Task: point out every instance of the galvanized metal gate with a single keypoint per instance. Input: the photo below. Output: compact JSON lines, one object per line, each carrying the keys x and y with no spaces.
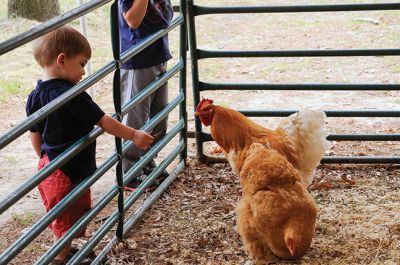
{"x":200,"y":86}
{"x":118,"y":216}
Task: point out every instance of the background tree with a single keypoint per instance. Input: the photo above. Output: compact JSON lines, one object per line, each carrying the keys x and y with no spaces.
{"x":40,"y":10}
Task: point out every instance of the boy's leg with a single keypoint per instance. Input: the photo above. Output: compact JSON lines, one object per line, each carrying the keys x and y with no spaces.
{"x":159,"y":102}
{"x":63,"y":255}
{"x":132,"y":83}
{"x":52,"y":190}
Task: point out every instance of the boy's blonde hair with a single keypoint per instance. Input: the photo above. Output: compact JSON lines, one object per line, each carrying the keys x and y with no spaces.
{"x":64,"y":39}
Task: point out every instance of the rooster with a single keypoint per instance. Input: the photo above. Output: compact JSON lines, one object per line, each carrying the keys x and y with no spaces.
{"x":276,"y":215}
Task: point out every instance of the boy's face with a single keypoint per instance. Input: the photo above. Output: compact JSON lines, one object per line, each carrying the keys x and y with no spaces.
{"x":74,"y":68}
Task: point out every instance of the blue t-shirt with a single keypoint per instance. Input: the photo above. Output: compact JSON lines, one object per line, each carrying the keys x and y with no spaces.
{"x":65,"y":126}
{"x":158,"y":16}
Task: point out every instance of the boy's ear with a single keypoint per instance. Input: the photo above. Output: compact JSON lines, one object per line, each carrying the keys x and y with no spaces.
{"x":60,"y":59}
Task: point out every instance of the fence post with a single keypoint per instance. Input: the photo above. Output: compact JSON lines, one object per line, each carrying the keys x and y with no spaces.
{"x":195,"y":76}
{"x":182,"y":76}
{"x":117,"y":105}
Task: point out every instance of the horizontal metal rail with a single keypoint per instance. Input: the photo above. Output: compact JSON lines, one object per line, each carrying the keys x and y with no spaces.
{"x":363,"y":137}
{"x":50,"y":25}
{"x":140,"y":211}
{"x":130,"y":222}
{"x":311,"y":87}
{"x":206,"y":10}
{"x":329,"y":113}
{"x":361,"y":160}
{"x":206,"y":137}
{"x":203,"y":54}
{"x":104,"y":229}
{"x":143,"y":186}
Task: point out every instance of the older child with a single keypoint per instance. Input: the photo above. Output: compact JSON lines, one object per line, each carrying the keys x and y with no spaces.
{"x":138,"y":19}
{"x":62,"y":54}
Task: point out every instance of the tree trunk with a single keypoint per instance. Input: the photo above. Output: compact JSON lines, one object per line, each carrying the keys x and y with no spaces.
{"x":40,"y":10}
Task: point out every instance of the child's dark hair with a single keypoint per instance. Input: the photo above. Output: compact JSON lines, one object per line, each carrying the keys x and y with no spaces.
{"x":64,"y":39}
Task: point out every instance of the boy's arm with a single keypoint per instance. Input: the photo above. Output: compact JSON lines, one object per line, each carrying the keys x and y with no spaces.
{"x":36,"y":140}
{"x":114,"y":127}
{"x":136,"y":13}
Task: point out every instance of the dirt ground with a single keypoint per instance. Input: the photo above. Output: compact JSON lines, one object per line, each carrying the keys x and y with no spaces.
{"x":194,"y":221}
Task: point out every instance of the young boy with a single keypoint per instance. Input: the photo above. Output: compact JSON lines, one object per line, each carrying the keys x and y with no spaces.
{"x":63,"y":54}
{"x":138,"y":19}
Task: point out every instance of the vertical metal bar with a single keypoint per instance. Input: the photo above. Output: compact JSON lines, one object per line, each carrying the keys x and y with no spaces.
{"x":83,"y":24}
{"x":117,"y":105}
{"x":195,"y":74}
{"x":182,"y":77}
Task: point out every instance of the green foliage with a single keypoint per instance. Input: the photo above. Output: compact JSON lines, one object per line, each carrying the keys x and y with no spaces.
{"x":24,"y":219}
{"x":3,"y":10}
{"x":9,"y":86}
{"x":12,"y":87}
{"x":11,"y":160}
{"x":396,"y":69}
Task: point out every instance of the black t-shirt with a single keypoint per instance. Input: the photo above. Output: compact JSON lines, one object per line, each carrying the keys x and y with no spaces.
{"x":64,"y":127}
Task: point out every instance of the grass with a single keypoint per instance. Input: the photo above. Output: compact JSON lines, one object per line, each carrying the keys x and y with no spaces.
{"x":11,"y":88}
{"x":24,"y":219}
{"x":396,"y":69}
{"x":98,"y":97}
{"x":11,"y":159}
{"x":3,"y":11}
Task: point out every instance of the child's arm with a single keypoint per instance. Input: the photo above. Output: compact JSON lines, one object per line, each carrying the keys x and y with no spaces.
{"x":136,"y":13}
{"x":114,"y":127}
{"x":36,"y":140}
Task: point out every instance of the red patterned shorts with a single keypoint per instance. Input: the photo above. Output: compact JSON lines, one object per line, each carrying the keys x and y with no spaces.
{"x":52,"y":190}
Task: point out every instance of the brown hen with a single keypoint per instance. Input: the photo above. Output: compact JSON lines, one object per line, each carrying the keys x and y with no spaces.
{"x":276,"y":215}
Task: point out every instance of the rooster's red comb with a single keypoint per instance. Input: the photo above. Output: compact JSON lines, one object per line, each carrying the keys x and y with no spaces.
{"x":203,"y":102}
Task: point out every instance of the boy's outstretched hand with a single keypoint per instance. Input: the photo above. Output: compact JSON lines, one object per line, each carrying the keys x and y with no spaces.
{"x":142,"y":139}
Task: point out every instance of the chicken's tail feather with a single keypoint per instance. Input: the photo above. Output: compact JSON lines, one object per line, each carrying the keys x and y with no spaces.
{"x":308,"y":135}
